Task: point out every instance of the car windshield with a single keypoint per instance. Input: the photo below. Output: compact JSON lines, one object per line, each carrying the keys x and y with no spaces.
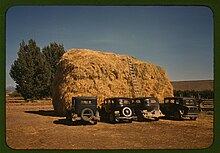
{"x":172,"y":101}
{"x":86,"y":102}
{"x":153,"y":101}
{"x":147,"y":101}
{"x":123,"y":101}
{"x":150,"y":101}
{"x":190,"y":102}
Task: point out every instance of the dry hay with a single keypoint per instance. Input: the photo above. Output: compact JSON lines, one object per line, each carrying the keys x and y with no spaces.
{"x":84,"y":72}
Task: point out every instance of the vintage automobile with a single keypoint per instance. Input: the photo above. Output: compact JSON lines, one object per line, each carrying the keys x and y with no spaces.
{"x":206,"y":104}
{"x":84,"y":109}
{"x":116,"y":109}
{"x":146,"y":108}
{"x":180,"y":107}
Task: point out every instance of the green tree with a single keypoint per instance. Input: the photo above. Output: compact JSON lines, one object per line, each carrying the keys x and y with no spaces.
{"x":53,"y":54}
{"x":31,"y":72}
{"x":206,"y":94}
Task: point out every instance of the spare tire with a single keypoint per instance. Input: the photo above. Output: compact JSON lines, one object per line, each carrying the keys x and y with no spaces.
{"x":127,"y":112}
{"x":87,"y":114}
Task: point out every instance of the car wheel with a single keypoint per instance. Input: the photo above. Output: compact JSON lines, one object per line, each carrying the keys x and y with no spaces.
{"x":104,"y":116}
{"x":140,"y":117}
{"x":127,"y":112}
{"x":95,"y":122}
{"x":156,"y":118}
{"x":193,"y":118}
{"x":69,"y":116}
{"x":166,"y":116}
{"x":112,"y":118}
{"x":177,"y":115}
{"x":130,"y":121}
{"x":87,"y":114}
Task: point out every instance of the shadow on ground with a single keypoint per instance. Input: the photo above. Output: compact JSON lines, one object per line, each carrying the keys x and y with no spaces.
{"x":71,"y":123}
{"x":104,"y":120}
{"x":45,"y":113}
{"x":174,"y":119}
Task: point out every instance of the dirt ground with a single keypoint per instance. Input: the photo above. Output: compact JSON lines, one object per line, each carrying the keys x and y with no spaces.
{"x":35,"y":126}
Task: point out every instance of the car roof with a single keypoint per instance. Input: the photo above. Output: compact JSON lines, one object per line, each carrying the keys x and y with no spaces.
{"x":184,"y":98}
{"x":84,"y":97}
{"x":113,"y":98}
{"x":144,"y":97}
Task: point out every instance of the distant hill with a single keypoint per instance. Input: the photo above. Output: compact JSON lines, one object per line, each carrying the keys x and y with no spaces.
{"x":197,"y":85}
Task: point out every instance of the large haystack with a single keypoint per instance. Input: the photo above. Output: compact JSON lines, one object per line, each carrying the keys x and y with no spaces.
{"x":83,"y":72}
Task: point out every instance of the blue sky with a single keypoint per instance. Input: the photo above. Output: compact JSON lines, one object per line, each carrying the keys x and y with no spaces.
{"x":178,"y":38}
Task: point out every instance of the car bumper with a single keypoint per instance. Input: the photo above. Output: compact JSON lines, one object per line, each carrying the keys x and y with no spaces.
{"x":76,"y":118}
{"x":123,"y":118}
{"x":190,"y":115}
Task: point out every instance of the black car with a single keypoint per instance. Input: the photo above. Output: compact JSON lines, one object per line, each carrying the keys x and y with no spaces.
{"x":180,"y":107}
{"x":83,"y":108}
{"x":116,"y":109}
{"x":146,"y":108}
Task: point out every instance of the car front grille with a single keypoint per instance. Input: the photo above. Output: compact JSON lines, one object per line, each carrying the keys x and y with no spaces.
{"x":193,"y":110}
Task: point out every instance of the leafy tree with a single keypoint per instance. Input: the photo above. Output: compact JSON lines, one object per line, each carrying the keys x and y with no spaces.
{"x":53,"y":53}
{"x":31,"y":72}
{"x":206,"y":94}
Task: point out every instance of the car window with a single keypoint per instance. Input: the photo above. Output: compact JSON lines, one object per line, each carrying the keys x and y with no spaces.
{"x":123,"y":101}
{"x":147,"y":101}
{"x":86,"y":102}
{"x":107,"y":101}
{"x":153,"y":101}
{"x":120,"y":101}
{"x":166,"y":100}
{"x":126,"y":101}
{"x":137,"y":101}
{"x":172,"y":101}
{"x":189,"y":102}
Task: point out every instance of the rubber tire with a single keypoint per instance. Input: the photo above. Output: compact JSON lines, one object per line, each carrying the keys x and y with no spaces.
{"x":130,"y":121}
{"x":140,"y":117}
{"x":86,"y":118}
{"x":69,"y":116}
{"x":112,"y":118}
{"x":193,"y":118}
{"x":177,"y":115}
{"x":130,"y":111}
{"x":156,"y":118}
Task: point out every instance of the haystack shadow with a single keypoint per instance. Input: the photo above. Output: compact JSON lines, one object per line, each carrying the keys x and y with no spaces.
{"x":45,"y":113}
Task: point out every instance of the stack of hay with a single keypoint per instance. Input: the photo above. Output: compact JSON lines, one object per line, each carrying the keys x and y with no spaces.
{"x":83,"y":72}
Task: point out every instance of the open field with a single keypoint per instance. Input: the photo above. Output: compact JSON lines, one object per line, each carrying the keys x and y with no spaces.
{"x":197,"y":85}
{"x":35,"y":126}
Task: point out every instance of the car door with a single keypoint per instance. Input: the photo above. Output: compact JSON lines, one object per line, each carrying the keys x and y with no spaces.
{"x":169,"y":106}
